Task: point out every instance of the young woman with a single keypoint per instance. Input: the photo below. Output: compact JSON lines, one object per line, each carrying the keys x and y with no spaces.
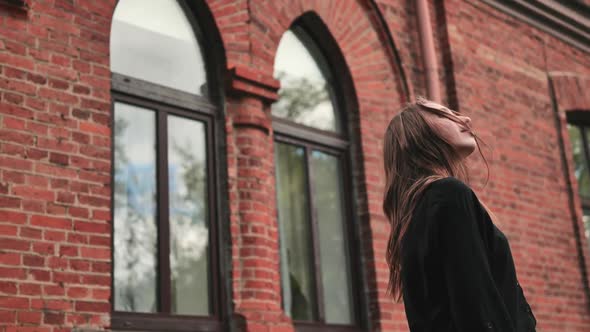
{"x":448,"y":260}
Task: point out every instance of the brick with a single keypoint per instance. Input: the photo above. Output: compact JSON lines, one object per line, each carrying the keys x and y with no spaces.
{"x":13,"y":177}
{"x":100,"y":241}
{"x":78,"y":292}
{"x":59,"y":184}
{"x":14,"y":163}
{"x":33,"y":206}
{"x":94,"y":128}
{"x":10,"y":258}
{"x":12,"y":217}
{"x":33,"y":193}
{"x":57,"y":305}
{"x":59,"y":158}
{"x":32,"y":260}
{"x":29,"y":289}
{"x":53,"y":290}
{"x":92,"y":306}
{"x":96,"y":253}
{"x":11,"y":302}
{"x":54,"y":318}
{"x":55,"y":236}
{"x":10,"y":202}
{"x":91,"y":227}
{"x":11,"y":273}
{"x":37,"y":181}
{"x":14,"y":123}
{"x":29,"y":317}
{"x":14,"y":244}
{"x":8,"y":230}
{"x":80,"y":265}
{"x":101,"y":267}
{"x":44,"y":248}
{"x":75,"y":237}
{"x":31,"y":233}
{"x":51,"y":222}
{"x":78,"y":212}
{"x":36,"y":154}
{"x":8,"y":287}
{"x":70,"y":251}
{"x":40,"y":275}
{"x":7,"y":316}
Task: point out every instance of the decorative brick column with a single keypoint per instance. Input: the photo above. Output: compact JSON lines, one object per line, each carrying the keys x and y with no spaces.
{"x":255,"y":245}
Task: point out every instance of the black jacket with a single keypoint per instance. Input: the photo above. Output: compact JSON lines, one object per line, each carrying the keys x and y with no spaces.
{"x":457,"y":269}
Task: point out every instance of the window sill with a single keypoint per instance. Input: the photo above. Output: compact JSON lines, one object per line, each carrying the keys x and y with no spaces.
{"x":122,"y":321}
{"x":317,"y":327}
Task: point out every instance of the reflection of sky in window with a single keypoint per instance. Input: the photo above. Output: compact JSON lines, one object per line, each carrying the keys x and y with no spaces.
{"x":586,"y":220}
{"x":153,"y":40}
{"x":136,"y":178}
{"x":188,"y":136}
{"x":295,"y":65}
{"x":295,"y":60}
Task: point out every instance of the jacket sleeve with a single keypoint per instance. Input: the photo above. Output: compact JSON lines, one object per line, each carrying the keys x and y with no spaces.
{"x":475,"y":302}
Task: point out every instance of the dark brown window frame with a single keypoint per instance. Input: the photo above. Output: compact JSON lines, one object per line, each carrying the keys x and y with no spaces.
{"x":163,"y":101}
{"x":15,"y":3}
{"x":314,"y":34}
{"x":581,"y":120}
{"x":162,"y":107}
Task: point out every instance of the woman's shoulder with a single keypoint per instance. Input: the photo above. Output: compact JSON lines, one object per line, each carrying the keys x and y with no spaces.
{"x":449,"y":186}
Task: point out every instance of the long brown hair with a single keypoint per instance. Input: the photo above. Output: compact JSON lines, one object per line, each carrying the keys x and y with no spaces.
{"x":414,"y":156}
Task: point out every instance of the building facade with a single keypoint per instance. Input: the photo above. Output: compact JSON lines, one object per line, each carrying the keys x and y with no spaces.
{"x":216,"y":165}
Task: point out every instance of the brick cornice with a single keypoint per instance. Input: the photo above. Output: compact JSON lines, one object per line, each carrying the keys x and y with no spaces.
{"x":566,"y":20}
{"x":243,"y":80}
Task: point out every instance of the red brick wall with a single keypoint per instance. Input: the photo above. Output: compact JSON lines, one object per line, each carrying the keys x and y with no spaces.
{"x":502,"y":67}
{"x":55,"y":269}
{"x":55,"y":138}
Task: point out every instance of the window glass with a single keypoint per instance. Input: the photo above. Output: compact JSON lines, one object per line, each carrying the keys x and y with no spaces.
{"x":329,"y":207}
{"x":305,"y":96}
{"x":154,"y":41}
{"x":580,"y":163}
{"x":295,"y":234}
{"x":586,"y":220}
{"x":135,"y":227}
{"x":189,"y":229}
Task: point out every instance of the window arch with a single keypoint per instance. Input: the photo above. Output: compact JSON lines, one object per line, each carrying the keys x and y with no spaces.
{"x":313,"y":180}
{"x":165,"y":254}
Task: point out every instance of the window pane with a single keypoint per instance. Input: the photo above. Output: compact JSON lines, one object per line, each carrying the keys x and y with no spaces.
{"x":294,"y":228}
{"x":305,"y":96}
{"x":580,"y":163}
{"x":154,"y":41}
{"x":328,"y":204}
{"x":189,"y":228}
{"x":586,"y":220}
{"x":135,"y":236}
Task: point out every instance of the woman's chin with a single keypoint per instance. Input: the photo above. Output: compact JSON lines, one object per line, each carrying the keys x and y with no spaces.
{"x":467,"y":149}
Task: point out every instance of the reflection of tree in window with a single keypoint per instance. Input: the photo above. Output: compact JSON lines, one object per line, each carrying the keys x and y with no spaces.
{"x":298,"y":95}
{"x":135,"y":230}
{"x":304,"y":101}
{"x":190,"y":235}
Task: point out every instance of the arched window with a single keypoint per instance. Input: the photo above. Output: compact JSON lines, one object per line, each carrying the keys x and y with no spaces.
{"x":164,"y":255}
{"x":579,"y":135}
{"x":313,"y":183}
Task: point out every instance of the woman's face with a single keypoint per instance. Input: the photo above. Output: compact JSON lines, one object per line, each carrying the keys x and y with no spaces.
{"x":458,"y":135}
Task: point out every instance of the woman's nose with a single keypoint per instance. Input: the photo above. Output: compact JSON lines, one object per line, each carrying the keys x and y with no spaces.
{"x":467,"y":121}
